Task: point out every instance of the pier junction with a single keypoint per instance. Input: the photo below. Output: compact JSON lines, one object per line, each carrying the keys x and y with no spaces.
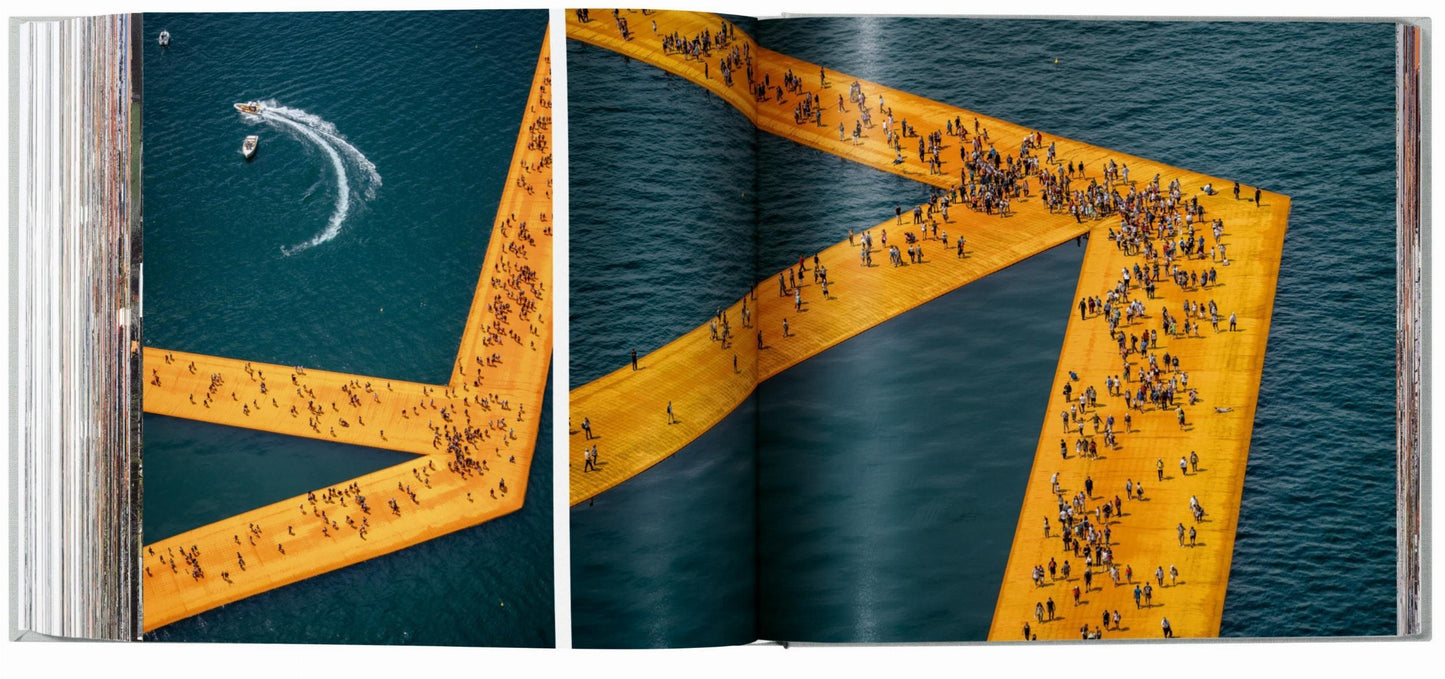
{"x":1202,"y":411}
{"x":473,"y":436}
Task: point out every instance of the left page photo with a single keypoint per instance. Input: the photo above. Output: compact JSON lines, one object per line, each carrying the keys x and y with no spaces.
{"x":348,"y":329}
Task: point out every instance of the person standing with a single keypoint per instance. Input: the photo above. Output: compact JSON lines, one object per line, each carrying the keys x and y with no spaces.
{"x":634,"y":358}
{"x":673,"y":420}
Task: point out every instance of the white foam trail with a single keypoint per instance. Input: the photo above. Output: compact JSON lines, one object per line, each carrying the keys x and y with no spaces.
{"x":343,"y":157}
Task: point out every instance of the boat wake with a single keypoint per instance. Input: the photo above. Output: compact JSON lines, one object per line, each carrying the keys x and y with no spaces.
{"x":356,"y":176}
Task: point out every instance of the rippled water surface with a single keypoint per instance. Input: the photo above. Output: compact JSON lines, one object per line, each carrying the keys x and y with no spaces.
{"x":352,"y":242}
{"x":1305,"y":109}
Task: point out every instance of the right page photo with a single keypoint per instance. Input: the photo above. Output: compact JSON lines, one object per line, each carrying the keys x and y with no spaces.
{"x":1081,"y":329}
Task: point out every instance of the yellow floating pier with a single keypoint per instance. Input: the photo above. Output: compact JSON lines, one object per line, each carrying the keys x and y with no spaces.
{"x":492,"y":402}
{"x":627,"y":409}
{"x":1224,"y":368}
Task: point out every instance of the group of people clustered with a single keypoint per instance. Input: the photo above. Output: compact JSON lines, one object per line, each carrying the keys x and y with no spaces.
{"x":1165,"y":231}
{"x":468,"y":420}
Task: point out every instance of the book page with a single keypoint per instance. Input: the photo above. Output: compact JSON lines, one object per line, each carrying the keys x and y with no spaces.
{"x":348,"y":237}
{"x":1032,"y":415}
{"x":662,"y":337}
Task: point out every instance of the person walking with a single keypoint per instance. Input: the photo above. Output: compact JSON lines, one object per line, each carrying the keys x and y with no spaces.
{"x":673,"y":420}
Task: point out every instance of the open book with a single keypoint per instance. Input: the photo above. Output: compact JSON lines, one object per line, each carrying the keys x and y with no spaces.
{"x":348,"y":330}
{"x":925,"y":329}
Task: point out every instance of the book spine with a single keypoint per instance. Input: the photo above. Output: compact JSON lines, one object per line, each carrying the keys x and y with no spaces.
{"x":77,"y":520}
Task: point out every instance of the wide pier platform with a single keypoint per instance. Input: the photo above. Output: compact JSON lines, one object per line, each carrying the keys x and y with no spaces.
{"x":627,"y":409}
{"x":491,"y":406}
{"x":1223,"y":366}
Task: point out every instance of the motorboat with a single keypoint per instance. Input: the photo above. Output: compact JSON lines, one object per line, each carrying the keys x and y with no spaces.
{"x":250,"y":107}
{"x":165,"y":38}
{"x":248,"y":147}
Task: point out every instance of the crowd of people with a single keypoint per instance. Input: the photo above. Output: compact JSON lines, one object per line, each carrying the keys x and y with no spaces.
{"x":467,"y":430}
{"x":1171,"y":240}
{"x":1163,"y":232}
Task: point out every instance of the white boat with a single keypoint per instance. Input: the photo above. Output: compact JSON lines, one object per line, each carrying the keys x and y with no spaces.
{"x":165,"y":38}
{"x":248,"y":147}
{"x":250,"y":107}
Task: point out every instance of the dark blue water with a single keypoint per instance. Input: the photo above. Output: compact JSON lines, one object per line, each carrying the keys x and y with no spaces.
{"x":668,"y":558}
{"x":432,"y":100}
{"x":1301,"y":108}
{"x":429,"y":102}
{"x":658,"y":256}
{"x":892,"y":466}
{"x":1305,"y":109}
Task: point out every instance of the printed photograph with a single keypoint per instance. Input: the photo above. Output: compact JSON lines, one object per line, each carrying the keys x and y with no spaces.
{"x":347,"y":328}
{"x":963,"y":330}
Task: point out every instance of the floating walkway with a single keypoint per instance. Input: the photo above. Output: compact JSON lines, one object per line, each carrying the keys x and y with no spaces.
{"x":496,"y":390}
{"x":1224,"y":367}
{"x":627,"y":410}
